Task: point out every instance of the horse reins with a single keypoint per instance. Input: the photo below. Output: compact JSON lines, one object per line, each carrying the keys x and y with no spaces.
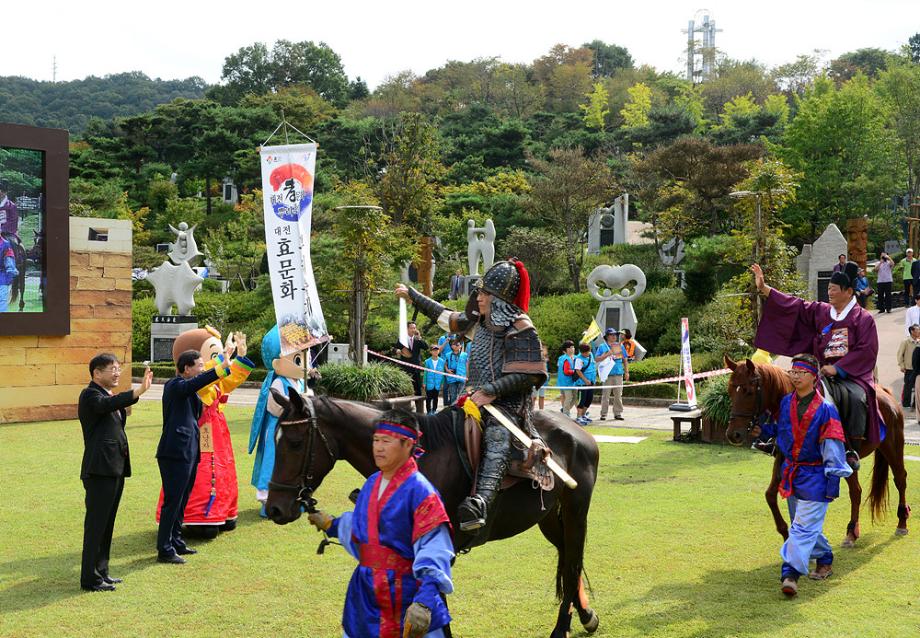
{"x":304,"y":490}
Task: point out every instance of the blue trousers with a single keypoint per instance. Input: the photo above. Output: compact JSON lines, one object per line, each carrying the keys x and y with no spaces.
{"x":806,"y":541}
{"x":4,"y":297}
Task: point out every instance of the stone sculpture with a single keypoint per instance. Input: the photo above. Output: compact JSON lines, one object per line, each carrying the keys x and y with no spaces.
{"x":481,"y":245}
{"x":616,"y":287}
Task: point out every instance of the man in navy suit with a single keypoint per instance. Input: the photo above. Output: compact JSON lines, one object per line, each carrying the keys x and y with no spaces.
{"x":106,"y":464}
{"x":178,"y":451}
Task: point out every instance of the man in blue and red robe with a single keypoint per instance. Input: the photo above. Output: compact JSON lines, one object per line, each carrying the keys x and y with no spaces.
{"x":401,"y":536}
{"x":809,"y":434}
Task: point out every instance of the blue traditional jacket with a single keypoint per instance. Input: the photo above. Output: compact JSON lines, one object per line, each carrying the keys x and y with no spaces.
{"x":403,"y":544}
{"x":812,"y":447}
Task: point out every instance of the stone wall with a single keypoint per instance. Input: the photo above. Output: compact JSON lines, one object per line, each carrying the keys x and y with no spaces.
{"x":41,"y":376}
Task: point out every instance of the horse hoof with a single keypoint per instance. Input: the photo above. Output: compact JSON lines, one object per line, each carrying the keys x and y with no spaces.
{"x":592,"y":624}
{"x":901,"y":531}
{"x":848,"y":542}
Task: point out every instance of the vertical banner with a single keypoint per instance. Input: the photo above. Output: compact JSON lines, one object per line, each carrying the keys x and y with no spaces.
{"x":287,"y":199}
{"x":686,"y":363}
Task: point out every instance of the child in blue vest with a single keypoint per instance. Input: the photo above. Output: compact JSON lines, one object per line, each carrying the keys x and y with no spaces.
{"x":454,"y":363}
{"x":809,"y":434}
{"x":586,"y":370}
{"x":434,"y":366}
{"x":565,"y":376}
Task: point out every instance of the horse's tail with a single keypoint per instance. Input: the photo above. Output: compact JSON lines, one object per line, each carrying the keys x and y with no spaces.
{"x":878,"y":493}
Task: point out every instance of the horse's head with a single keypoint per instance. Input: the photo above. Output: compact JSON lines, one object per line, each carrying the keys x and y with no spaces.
{"x":303,"y":457}
{"x":745,"y":391}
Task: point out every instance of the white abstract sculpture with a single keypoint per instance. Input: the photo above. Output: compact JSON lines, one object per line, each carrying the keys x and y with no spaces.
{"x":616,"y":283}
{"x":175,"y":283}
{"x":481,"y":245}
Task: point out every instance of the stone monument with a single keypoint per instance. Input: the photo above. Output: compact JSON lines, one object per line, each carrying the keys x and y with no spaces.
{"x":816,"y":262}
{"x":174,"y":282}
{"x":608,"y":226}
{"x":616,"y":287}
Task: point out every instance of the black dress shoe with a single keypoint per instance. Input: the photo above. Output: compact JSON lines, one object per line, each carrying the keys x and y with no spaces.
{"x":103,"y":586}
{"x":186,"y":551}
{"x":112,"y":581}
{"x":170,"y":558}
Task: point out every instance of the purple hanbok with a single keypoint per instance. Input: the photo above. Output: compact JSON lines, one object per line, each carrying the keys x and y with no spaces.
{"x":848,"y":341}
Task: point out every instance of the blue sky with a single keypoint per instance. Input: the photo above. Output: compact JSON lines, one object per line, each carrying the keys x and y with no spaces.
{"x":172,"y":39}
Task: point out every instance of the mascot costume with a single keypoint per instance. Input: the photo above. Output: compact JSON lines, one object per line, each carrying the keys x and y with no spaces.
{"x":212,"y":504}
{"x":283,"y":373}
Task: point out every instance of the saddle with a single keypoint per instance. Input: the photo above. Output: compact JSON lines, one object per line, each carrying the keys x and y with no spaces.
{"x":525,"y":465}
{"x":852,"y":405}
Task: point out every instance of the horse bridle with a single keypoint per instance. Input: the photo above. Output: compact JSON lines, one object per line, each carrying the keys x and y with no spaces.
{"x":753,"y":417}
{"x":304,"y":489}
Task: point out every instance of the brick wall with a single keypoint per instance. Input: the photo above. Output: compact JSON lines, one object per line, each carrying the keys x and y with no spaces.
{"x":41,"y":376}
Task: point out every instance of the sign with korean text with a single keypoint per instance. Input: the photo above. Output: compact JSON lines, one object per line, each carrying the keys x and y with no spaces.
{"x":287,"y":200}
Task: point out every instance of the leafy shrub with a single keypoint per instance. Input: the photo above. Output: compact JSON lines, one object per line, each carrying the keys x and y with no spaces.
{"x":645,"y":256}
{"x":561,"y":317}
{"x":715,"y":400}
{"x":373,"y":381}
{"x":659,"y":313}
{"x":661,"y":367}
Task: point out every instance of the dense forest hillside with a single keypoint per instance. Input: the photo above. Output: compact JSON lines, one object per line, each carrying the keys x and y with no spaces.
{"x":71,"y":105}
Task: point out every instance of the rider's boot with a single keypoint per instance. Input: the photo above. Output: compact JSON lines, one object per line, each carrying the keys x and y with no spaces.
{"x":852,"y":456}
{"x":767,"y":447}
{"x":474,"y":510}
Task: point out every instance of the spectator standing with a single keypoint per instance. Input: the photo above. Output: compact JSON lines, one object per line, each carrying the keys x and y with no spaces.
{"x":413,"y":355}
{"x":540,"y":393}
{"x":861,"y":288}
{"x":906,"y":364}
{"x":454,"y":363}
{"x":565,"y":376}
{"x":434,"y":366}
{"x":629,"y":344}
{"x":841,"y":262}
{"x":586,"y":370}
{"x":905,"y":268}
{"x":106,"y":464}
{"x":8,"y":271}
{"x":912,"y":315}
{"x":884,"y":280}
{"x":612,"y":369}
{"x":179,"y":449}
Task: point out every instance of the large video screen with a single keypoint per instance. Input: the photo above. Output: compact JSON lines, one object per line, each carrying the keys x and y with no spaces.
{"x":22,"y":224}
{"x":34,"y":231}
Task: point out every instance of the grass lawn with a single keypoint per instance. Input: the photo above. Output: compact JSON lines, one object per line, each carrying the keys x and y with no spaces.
{"x":680,"y":544}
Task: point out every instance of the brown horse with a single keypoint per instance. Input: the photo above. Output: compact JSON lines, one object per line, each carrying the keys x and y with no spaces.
{"x":756,"y":389}
{"x":315,"y":433}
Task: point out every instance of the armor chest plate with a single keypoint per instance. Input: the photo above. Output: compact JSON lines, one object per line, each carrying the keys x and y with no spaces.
{"x":487,"y":356}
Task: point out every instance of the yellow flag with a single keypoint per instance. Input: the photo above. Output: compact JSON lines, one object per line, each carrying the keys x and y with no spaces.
{"x":762,"y":356}
{"x":592,"y":333}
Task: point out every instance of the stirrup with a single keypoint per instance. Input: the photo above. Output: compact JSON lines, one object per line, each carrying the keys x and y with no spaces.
{"x":852,"y":458}
{"x":472,"y":513}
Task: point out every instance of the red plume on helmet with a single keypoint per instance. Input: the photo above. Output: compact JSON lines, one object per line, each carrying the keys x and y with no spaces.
{"x":522,"y":298}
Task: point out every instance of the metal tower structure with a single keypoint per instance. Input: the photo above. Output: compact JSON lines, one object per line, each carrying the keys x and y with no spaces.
{"x":701,"y":52}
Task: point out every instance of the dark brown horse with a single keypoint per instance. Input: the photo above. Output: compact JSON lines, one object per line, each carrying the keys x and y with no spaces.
{"x":315,"y":433}
{"x":757,"y":388}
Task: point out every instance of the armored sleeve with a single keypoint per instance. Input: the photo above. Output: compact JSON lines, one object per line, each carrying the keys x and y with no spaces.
{"x":523,"y":352}
{"x":447,"y":319}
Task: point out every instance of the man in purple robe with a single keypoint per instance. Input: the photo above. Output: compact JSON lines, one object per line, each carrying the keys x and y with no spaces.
{"x":844,"y":339}
{"x":9,"y":216}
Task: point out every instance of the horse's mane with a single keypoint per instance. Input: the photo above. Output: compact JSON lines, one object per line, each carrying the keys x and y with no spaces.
{"x":437,"y":430}
{"x":774,"y":378}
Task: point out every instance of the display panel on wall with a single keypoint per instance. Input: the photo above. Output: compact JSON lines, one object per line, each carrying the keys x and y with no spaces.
{"x":34,"y":231}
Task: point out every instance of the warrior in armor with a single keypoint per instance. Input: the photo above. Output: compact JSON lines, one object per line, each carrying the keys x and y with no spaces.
{"x":505,"y":365}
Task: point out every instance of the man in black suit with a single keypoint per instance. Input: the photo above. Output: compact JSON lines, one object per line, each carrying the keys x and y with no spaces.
{"x":413,"y":355}
{"x":178,"y":451}
{"x":106,"y":464}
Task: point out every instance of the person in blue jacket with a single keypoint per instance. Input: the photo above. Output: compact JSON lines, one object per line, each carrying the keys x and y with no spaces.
{"x":454,"y":363}
{"x":809,"y":434}
{"x":434,"y":366}
{"x":401,"y":537}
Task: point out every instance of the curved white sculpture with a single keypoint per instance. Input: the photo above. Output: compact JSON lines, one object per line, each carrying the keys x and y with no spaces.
{"x":616,"y":283}
{"x":481,"y":245}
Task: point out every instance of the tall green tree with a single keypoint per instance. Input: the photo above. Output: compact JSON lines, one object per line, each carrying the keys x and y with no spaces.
{"x":608,"y":58}
{"x":899,"y":87}
{"x":566,"y":188}
{"x":596,"y":110}
{"x":840,"y":142}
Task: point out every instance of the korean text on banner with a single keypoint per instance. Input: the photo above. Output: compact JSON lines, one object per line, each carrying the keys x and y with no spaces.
{"x":287,"y":199}
{"x":686,"y":363}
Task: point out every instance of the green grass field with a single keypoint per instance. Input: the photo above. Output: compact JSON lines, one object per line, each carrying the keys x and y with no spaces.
{"x":680,"y":544}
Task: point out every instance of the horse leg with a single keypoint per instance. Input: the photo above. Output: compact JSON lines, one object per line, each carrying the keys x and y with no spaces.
{"x":772,"y":496}
{"x":570,"y":528}
{"x":894,"y":456}
{"x":855,"y":501}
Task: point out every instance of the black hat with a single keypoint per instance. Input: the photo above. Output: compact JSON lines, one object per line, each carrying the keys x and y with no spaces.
{"x":846,"y":277}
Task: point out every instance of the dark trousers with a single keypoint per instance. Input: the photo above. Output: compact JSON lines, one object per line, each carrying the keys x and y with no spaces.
{"x":178,"y":478}
{"x":884,"y":296}
{"x":908,"y":301}
{"x":431,"y":400}
{"x":908,"y":392}
{"x":103,"y":494}
{"x":416,"y":381}
{"x":452,"y":393}
{"x":587,"y":396}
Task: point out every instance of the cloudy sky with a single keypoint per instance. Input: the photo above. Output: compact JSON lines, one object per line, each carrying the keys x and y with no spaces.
{"x":173,"y":39}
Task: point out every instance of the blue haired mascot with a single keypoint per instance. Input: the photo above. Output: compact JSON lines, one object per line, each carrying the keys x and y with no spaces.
{"x":283,"y":372}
